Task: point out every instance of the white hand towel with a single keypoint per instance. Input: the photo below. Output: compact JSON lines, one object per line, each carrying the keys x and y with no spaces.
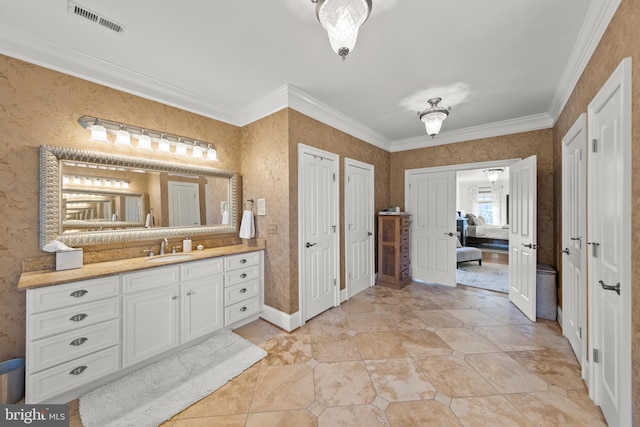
{"x":247,"y":227}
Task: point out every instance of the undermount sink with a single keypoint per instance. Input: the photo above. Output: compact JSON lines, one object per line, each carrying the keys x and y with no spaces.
{"x":167,"y":258}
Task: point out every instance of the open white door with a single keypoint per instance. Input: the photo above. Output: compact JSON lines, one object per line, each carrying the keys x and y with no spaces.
{"x":574,"y":238}
{"x":318,"y":230}
{"x":432,"y":205}
{"x":358,"y":226}
{"x":522,"y":236}
{"x":609,"y":207}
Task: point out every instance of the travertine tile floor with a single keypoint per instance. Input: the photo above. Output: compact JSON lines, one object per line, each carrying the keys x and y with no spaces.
{"x":426,"y":355}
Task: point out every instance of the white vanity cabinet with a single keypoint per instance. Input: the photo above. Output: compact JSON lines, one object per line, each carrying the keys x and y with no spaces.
{"x":86,"y":333}
{"x":243,"y":275}
{"x":73,"y":336}
{"x":171,"y":306}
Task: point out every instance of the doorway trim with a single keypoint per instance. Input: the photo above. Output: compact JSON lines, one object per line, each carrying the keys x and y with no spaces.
{"x":302,"y":150}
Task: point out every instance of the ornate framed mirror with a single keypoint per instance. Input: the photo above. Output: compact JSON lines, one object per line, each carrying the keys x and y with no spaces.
{"x":90,"y":198}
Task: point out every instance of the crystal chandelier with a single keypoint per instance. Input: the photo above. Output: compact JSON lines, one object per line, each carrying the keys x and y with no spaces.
{"x":342,"y":20}
{"x":434,"y":116}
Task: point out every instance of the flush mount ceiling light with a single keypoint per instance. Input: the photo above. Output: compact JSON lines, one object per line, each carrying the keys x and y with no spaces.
{"x":433,"y":116}
{"x":342,"y":20}
{"x":493,"y":174}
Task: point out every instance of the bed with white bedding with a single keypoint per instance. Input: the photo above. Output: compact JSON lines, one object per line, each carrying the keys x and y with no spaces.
{"x":491,"y":234}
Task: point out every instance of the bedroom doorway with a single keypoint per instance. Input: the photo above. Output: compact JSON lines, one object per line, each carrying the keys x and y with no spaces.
{"x":482,"y":216}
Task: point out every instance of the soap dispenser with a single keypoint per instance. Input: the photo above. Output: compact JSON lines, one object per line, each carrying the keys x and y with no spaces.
{"x":186,"y":244}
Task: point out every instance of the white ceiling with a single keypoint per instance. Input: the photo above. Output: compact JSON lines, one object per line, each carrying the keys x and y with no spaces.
{"x":503,"y":66}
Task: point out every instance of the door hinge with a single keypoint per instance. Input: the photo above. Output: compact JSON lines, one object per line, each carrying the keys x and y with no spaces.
{"x":334,"y":228}
{"x":349,"y":276}
{"x":596,"y":355}
{"x":580,"y":332}
{"x":334,"y":177}
{"x":335,"y":282}
{"x":348,"y":179}
{"x":594,"y":145}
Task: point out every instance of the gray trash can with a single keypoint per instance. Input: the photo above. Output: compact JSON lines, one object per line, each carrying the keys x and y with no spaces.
{"x":546,"y":292}
{"x":11,"y":381}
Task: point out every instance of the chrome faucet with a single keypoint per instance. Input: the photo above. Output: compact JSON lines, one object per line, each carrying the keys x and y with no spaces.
{"x":163,"y":242}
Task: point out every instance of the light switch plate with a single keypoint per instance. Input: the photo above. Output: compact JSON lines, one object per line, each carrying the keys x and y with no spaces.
{"x":262,"y":210}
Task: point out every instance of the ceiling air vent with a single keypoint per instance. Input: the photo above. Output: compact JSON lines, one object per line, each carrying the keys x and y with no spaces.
{"x":76,"y":9}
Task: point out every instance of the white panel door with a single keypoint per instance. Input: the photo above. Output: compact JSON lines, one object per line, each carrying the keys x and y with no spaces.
{"x":574,"y":235}
{"x":432,"y":204}
{"x":522,"y":236}
{"x":359,"y":223}
{"x":609,"y":244}
{"x":184,"y":204}
{"x":318,"y":175}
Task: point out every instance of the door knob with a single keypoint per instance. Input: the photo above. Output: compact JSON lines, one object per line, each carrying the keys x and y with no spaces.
{"x":369,"y":234}
{"x":310,"y":244}
{"x":575,"y":238}
{"x":610,"y":288}
{"x":449,"y":234}
{"x":530,"y":246}
{"x":565,"y":251}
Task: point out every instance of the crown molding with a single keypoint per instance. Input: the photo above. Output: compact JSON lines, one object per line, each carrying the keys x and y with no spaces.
{"x":505,"y":127}
{"x":596,"y":22}
{"x":305,"y":104}
{"x":43,"y":52}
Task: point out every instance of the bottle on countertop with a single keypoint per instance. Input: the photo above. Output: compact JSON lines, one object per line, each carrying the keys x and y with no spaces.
{"x":186,"y":244}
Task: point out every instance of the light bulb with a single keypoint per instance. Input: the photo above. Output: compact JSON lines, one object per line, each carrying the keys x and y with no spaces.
{"x":123,"y":137}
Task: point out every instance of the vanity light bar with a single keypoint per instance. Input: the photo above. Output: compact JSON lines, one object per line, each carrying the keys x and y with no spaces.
{"x":101,"y":127}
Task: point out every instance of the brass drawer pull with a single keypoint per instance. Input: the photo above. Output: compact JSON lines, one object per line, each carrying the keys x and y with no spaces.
{"x":243,"y":290}
{"x":78,"y":370}
{"x":243,"y":261}
{"x":243,"y":275}
{"x":78,"y":341}
{"x":78,"y":293}
{"x":243,"y":309}
{"x":78,"y":317}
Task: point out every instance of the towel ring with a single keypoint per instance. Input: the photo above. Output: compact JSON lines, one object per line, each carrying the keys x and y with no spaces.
{"x":249,"y":204}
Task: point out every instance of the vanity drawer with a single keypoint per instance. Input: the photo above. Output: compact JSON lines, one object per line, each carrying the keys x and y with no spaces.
{"x":234,"y":262}
{"x":70,"y":318}
{"x":62,"y":348}
{"x":241,"y":292}
{"x":241,"y":310}
{"x":65,"y":377}
{"x":241,"y":276}
{"x":150,"y":278}
{"x":59,"y":296}
{"x":205,"y":268}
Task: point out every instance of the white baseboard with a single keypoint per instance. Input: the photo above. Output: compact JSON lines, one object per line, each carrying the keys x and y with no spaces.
{"x":285,"y":321}
{"x":559,"y":316}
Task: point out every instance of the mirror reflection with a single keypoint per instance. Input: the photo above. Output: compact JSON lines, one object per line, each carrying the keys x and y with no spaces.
{"x":99,"y":197}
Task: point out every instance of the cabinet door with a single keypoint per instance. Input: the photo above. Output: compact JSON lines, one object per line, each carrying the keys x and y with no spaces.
{"x":151,"y":323}
{"x":203,"y":306}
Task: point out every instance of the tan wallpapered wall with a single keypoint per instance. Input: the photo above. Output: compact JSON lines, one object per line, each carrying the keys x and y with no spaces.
{"x":619,"y":41}
{"x":41,"y":106}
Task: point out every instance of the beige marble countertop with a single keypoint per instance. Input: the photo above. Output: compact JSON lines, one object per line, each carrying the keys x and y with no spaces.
{"x":34,"y":279}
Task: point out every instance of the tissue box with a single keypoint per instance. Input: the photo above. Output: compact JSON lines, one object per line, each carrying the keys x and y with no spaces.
{"x":66,"y":260}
